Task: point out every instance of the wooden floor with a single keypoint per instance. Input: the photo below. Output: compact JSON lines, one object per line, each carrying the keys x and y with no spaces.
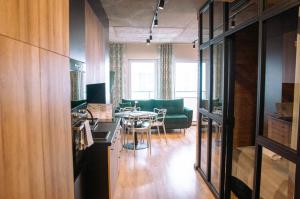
{"x":168,"y":173}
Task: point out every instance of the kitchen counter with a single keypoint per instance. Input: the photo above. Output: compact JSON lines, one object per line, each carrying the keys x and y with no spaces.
{"x":105,"y":132}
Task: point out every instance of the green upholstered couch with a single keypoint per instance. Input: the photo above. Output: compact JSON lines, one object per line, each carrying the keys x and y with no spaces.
{"x":177,"y":117}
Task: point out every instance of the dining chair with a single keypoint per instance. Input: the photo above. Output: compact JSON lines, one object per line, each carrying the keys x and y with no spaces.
{"x":140,"y":126}
{"x":160,"y":121}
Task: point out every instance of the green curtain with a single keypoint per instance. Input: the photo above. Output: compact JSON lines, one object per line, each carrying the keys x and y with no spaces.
{"x":165,"y":71}
{"x":116,"y":54}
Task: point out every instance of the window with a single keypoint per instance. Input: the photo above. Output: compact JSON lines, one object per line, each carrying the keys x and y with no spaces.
{"x":142,"y":79}
{"x":186,"y":84}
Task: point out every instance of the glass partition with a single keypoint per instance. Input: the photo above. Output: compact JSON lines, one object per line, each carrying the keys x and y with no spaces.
{"x":218,"y":18}
{"x":277,"y":176}
{"x":242,"y":10}
{"x":281,"y":94}
{"x":216,"y":148}
{"x":218,"y":63}
{"x":205,"y":26}
{"x":204,"y":126}
{"x":205,"y":66}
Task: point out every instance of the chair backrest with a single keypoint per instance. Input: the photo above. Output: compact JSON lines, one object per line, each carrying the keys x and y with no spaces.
{"x":161,"y":114}
{"x":137,"y":122}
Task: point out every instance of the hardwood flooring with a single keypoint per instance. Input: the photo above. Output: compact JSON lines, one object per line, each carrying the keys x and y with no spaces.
{"x":168,"y":173}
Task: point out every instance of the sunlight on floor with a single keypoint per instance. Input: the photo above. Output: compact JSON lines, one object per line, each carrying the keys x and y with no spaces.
{"x":167,"y":173}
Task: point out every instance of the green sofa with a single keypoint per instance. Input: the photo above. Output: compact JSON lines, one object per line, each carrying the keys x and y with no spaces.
{"x":177,"y":117}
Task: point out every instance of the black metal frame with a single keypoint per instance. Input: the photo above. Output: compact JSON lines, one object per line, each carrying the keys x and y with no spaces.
{"x":228,"y":120}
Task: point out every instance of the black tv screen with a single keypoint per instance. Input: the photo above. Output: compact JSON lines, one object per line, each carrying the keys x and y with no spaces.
{"x":95,"y":93}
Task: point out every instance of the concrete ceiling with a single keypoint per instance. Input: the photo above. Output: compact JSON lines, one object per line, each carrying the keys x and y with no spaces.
{"x":130,"y":21}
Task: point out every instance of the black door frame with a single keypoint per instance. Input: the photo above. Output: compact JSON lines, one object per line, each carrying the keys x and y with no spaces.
{"x":228,"y":122}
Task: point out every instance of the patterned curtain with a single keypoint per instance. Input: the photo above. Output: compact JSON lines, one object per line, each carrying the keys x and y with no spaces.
{"x":116,"y":54}
{"x":166,"y":78}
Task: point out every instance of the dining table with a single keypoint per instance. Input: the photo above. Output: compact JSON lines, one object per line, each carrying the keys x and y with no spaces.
{"x":136,"y":114}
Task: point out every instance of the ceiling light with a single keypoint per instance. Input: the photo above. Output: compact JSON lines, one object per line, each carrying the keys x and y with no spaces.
{"x":161,"y":4}
{"x":148,"y":41}
{"x":155,"y":22}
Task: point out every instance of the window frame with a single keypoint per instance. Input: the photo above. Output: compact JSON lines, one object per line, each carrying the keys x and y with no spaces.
{"x":156,"y":77}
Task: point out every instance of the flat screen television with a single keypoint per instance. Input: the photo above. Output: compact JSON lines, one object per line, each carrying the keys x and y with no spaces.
{"x":95,"y":93}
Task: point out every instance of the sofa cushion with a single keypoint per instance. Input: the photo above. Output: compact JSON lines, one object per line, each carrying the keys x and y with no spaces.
{"x":124,"y":105}
{"x":176,"y":118}
{"x":146,"y":105}
{"x":173,"y":106}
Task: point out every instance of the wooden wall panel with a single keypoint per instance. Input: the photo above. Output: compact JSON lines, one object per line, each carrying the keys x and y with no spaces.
{"x":19,"y":19}
{"x":56,"y":122}
{"x":95,"y":53}
{"x":22,"y":175}
{"x":54,"y":26}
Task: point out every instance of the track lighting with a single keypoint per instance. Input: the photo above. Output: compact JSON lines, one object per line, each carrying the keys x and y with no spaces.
{"x":155,"y":22}
{"x":161,"y":4}
{"x":232,"y":24}
{"x":148,"y":41}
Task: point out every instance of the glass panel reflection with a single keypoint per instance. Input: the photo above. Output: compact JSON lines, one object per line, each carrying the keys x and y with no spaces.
{"x":205,"y":26}
{"x":216,"y":154}
{"x":281,"y":93}
{"x":277,"y":177}
{"x":205,"y":78}
{"x":218,"y":18}
{"x":204,"y":143}
{"x":218,"y":79}
{"x":241,"y":12}
{"x":271,"y":3}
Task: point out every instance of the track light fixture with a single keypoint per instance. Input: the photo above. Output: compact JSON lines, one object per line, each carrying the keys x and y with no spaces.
{"x":155,"y":22}
{"x":161,"y":4}
{"x":194,"y":43}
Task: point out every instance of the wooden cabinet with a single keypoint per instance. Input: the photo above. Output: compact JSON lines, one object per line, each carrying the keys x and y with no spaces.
{"x":56,"y":123}
{"x":279,"y":130}
{"x":114,"y":162}
{"x":21,"y":147}
{"x":19,"y":19}
{"x":42,"y":23}
{"x":103,"y":168}
{"x":54,"y":26}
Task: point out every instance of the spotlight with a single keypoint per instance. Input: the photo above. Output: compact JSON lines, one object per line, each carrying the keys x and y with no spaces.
{"x":232,"y":24}
{"x":194,"y":45}
{"x":148,"y":41}
{"x":161,"y":4}
{"x":155,"y":22}
{"x":150,"y":37}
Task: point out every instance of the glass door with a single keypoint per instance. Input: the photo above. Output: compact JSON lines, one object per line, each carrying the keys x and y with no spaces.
{"x":211,"y":116}
{"x":242,"y":111}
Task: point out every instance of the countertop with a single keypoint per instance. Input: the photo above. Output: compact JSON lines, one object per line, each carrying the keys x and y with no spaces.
{"x":104,"y":127}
